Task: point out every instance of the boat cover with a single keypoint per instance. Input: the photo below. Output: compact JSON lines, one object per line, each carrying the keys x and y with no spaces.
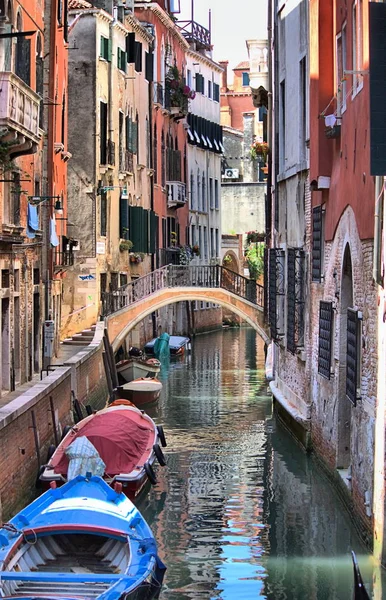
{"x":83,"y":458}
{"x":119,"y":440}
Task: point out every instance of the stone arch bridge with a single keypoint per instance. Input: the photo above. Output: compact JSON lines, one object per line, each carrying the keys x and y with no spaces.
{"x":124,"y":308}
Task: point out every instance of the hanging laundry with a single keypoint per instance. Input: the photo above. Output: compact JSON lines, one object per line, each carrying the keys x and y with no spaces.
{"x":53,"y":235}
{"x":32,"y":221}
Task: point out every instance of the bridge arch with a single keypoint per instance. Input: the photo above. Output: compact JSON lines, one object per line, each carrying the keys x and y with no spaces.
{"x":120,"y":323}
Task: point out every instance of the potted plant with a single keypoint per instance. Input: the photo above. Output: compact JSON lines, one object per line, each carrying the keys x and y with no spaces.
{"x":196,"y":249}
{"x":136,"y":257}
{"x":227,"y":259}
{"x":259,"y":151}
{"x":185,"y":255}
{"x":180,"y":93}
{"x":125,"y":245}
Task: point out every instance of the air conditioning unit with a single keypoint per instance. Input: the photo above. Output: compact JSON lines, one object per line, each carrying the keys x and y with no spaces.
{"x":231,"y":174}
{"x":176,"y":192}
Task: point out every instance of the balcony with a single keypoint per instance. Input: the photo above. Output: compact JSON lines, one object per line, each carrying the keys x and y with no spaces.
{"x":63,"y":259}
{"x":195,"y":34}
{"x":126,"y":161}
{"x":176,"y":191}
{"x":19,"y":114}
{"x":161,"y":95}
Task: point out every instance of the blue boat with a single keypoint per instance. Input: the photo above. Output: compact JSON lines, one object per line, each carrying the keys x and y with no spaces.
{"x":178,"y":344}
{"x":81,"y":540}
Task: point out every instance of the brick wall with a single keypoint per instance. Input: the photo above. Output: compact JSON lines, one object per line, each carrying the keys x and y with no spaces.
{"x":83,"y":374}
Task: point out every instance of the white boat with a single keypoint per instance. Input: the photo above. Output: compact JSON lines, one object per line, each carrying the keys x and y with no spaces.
{"x":141,"y":391}
{"x":133,"y":368}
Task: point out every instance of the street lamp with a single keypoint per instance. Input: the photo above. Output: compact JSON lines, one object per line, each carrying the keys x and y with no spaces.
{"x":37,"y":200}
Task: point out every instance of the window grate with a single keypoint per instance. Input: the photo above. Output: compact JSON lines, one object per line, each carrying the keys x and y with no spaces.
{"x":276,"y":292}
{"x":326,"y":321}
{"x":317,"y":223}
{"x":354,"y":323}
{"x":295,"y":299}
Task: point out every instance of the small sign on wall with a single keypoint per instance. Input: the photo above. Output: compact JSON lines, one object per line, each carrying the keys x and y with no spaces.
{"x":101,"y":248}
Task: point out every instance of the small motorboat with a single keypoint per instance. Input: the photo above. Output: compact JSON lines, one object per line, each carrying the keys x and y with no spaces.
{"x":83,"y":540}
{"x":141,"y":391}
{"x":178,"y":345}
{"x":135,"y":367}
{"x":360,"y":592}
{"x":125,"y":439}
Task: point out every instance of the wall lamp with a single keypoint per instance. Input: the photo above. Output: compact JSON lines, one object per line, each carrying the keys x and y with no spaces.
{"x":36,"y":200}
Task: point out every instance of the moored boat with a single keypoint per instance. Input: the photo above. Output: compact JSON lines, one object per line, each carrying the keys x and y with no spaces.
{"x":82,"y":540}
{"x":360,"y":592}
{"x":141,"y":391}
{"x":178,"y":345}
{"x":133,"y":368}
{"x":125,"y":438}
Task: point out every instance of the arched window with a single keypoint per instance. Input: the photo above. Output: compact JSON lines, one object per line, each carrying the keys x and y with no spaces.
{"x":163,"y":160}
{"x":6,"y":43}
{"x":23,"y":53}
{"x":192,"y":191}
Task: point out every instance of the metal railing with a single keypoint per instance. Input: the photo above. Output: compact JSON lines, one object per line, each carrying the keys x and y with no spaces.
{"x":64,"y":259}
{"x":172,"y":276}
{"x":193,"y":32}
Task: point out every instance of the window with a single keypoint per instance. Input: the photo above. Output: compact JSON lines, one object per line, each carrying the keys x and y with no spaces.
{"x":326,"y":322}
{"x":216,"y":92}
{"x":209,"y":88}
{"x":130,"y":47}
{"x":216,"y":197}
{"x":211,"y":204}
{"x":105,"y":50}
{"x":303,"y":116}
{"x":217,"y":243}
{"x":103,"y":132}
{"x":155,"y":155}
{"x":276,"y":292}
{"x":245,"y":77}
{"x":282,"y":141}
{"x":317,"y":243}
{"x":341,"y":85}
{"x":121,"y":60}
{"x":295,"y":299}
{"x":357,"y":45}
{"x":353,"y":358}
{"x":138,"y":57}
{"x":192,"y":207}
{"x":149,"y":66}
{"x":205,"y":243}
{"x":200,"y":83}
{"x":189,"y":78}
{"x":23,"y":54}
{"x":204,"y":208}
{"x":122,"y":279}
{"x":103,"y":208}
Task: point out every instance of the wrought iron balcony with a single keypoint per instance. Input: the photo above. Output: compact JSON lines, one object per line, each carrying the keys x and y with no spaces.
{"x":194,"y":33}
{"x":19,"y":113}
{"x":176,"y":191}
{"x":161,"y":95}
{"x":63,"y":259}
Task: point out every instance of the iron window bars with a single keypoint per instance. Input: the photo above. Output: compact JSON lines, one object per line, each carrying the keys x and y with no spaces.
{"x":295,"y":299}
{"x":326,"y":326}
{"x":276,"y":292}
{"x":353,"y":356}
{"x":317,"y":243}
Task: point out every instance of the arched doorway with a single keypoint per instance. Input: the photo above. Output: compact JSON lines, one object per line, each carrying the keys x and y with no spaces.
{"x":344,"y":404}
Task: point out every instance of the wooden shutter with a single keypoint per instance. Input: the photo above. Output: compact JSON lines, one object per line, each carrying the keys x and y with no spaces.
{"x":135,"y":227}
{"x":23,"y":59}
{"x":134,"y":137}
{"x":377,"y":28}
{"x":130,"y":47}
{"x":153,"y":232}
{"x":103,"y":133}
{"x":138,"y":57}
{"x":149,"y":66}
{"x":317,"y":216}
{"x":354,"y":328}
{"x":123,"y":218}
{"x":326,"y":321}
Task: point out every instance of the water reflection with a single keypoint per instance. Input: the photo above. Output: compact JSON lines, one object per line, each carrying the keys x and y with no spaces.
{"x":240,"y":511}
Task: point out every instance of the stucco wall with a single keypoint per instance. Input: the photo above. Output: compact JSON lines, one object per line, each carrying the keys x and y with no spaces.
{"x":243,"y":207}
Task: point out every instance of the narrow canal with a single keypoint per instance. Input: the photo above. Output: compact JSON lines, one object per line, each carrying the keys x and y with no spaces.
{"x":240,"y":511}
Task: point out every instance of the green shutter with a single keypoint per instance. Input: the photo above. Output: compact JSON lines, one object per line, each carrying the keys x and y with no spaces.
{"x":123,"y":218}
{"x":134,"y":137}
{"x":146,"y":219}
{"x":109,"y":49}
{"x":119,"y":58}
{"x":135,"y":227}
{"x":153,"y":232}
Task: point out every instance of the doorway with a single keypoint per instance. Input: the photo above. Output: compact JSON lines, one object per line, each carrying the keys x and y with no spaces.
{"x":344,"y":404}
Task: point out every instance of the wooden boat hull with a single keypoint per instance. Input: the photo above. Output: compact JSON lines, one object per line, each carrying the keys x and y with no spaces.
{"x":84,"y":541}
{"x":121,"y":429}
{"x":133,"y":368}
{"x":178,"y":345}
{"x":141,"y":391}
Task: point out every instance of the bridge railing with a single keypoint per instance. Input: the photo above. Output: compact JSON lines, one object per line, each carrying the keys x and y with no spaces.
{"x":170,"y":276}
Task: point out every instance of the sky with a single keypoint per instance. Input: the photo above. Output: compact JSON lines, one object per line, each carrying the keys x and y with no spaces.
{"x":230,"y":26}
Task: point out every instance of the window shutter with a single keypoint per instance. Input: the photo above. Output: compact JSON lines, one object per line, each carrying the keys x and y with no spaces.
{"x":130,"y":48}
{"x":123,"y":218}
{"x":134,"y":137}
{"x":317,"y":215}
{"x":377,"y":24}
{"x":23,"y":59}
{"x":119,"y":58}
{"x":138,"y":57}
{"x":149,"y":66}
{"x":295,"y":299}
{"x":109,"y":49}
{"x":354,"y":328}
{"x":326,"y":317}
{"x":135,"y":227}
{"x":65,"y":21}
{"x":145,"y":230}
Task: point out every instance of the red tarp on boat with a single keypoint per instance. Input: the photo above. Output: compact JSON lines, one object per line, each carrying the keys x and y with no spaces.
{"x":119,"y":438}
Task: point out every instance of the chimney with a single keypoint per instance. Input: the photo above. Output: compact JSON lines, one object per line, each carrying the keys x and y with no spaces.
{"x":224,"y":76}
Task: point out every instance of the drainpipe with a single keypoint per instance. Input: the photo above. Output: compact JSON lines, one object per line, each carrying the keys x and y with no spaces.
{"x":268,"y":202}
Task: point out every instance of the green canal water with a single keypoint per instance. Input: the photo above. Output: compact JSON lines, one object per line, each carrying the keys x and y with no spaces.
{"x":240,"y":511}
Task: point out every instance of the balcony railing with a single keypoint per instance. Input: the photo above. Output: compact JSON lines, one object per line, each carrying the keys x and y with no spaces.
{"x":161,"y":95}
{"x":176,"y":191}
{"x":194,"y":33}
{"x":126,"y":161}
{"x":19,"y":106}
{"x":63,"y":259}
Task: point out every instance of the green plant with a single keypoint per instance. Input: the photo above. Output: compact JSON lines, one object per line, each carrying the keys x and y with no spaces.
{"x":259,"y":150}
{"x":254,"y":256}
{"x":185,"y":255}
{"x":6,"y":164}
{"x":125,"y":245}
{"x":227,"y":259}
{"x":136,"y":257}
{"x":180,"y":93}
